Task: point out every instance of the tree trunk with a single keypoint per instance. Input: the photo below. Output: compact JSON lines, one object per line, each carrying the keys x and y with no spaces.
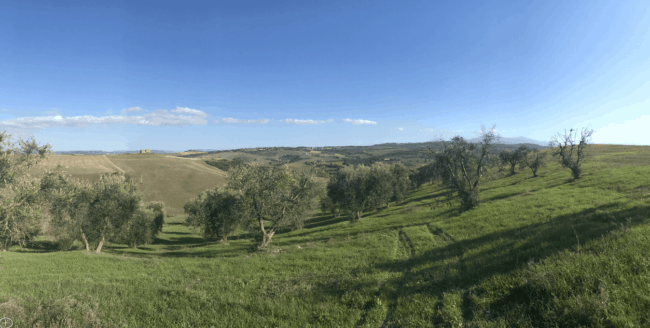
{"x":266,"y":237}
{"x":266,"y":240}
{"x":83,"y":236}
{"x":99,"y":247}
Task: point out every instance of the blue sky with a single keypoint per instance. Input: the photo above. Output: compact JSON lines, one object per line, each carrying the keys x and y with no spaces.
{"x":182,"y":75}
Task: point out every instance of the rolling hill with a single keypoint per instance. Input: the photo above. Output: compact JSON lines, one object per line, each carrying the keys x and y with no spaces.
{"x":170,"y":179}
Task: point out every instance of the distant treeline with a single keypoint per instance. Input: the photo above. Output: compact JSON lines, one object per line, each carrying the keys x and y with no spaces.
{"x":225,"y":165}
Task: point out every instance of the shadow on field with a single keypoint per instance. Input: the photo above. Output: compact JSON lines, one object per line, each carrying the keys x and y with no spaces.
{"x":174,"y":223}
{"x":502,"y":196}
{"x":324,"y":220}
{"x":496,"y":253}
{"x":179,"y":241}
{"x":428,"y":197}
{"x":231,"y":251}
{"x":42,"y":246}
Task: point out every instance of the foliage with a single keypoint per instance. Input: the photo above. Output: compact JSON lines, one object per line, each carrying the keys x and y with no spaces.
{"x":159,"y":213}
{"x":109,"y":210}
{"x":290,"y":158}
{"x":400,"y":182}
{"x":226,"y":165}
{"x":353,"y":190}
{"x":216,"y":212}
{"x":566,"y":145}
{"x":423,"y":175}
{"x":461,"y":166}
{"x":20,"y":210}
{"x":274,"y":194}
{"x":381,"y":180}
{"x":534,"y":160}
{"x":67,"y":200}
{"x":327,"y":205}
{"x":513,"y":157}
{"x":139,"y":229}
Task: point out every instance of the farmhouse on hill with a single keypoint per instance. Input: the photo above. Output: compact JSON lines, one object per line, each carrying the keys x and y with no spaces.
{"x":145,"y":151}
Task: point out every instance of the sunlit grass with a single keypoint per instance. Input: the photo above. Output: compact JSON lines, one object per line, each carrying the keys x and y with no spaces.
{"x":545,"y":251}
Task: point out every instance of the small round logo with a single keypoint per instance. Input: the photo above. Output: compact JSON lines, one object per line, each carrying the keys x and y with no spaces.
{"x":6,"y":322}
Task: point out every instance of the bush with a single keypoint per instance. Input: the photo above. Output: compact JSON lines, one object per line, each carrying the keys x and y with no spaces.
{"x":139,"y":230}
{"x":158,"y":209}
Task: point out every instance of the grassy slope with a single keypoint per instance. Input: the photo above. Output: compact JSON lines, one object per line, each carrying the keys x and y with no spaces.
{"x":172,"y":180}
{"x":540,"y":251}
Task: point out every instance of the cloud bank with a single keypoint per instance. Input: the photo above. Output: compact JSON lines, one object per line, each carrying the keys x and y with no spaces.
{"x":305,"y":122}
{"x":232,"y":120}
{"x":359,"y":121}
{"x":159,"y":118}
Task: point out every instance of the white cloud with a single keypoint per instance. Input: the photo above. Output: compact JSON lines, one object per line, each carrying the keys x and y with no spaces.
{"x":400,"y":129}
{"x":232,"y":120}
{"x":216,"y":122}
{"x":304,"y":122}
{"x":355,"y":122}
{"x":133,"y":109}
{"x":189,"y":111}
{"x":159,"y":118}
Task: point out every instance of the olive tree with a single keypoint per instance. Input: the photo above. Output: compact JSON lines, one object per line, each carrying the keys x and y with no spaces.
{"x":513,"y":157}
{"x":534,"y":160}
{"x":20,"y":209}
{"x":567,"y":148}
{"x":423,"y":175}
{"x":216,"y":212}
{"x":381,"y":179}
{"x":352,"y":189}
{"x":400,"y":182}
{"x":158,"y":209}
{"x":60,"y":195}
{"x":327,"y":205}
{"x":461,"y":165}
{"x":109,"y":210}
{"x":274,"y":194}
{"x":139,"y":229}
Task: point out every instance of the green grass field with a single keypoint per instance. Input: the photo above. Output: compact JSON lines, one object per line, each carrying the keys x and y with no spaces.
{"x":537,"y":252}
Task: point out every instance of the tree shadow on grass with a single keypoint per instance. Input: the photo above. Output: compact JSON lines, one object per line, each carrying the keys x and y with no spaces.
{"x":442,"y":193}
{"x":229,"y":251}
{"x":448,"y":269}
{"x":500,"y":197}
{"x":324,"y":220}
{"x":41,"y":246}
{"x":177,"y":233}
{"x":179,"y":241}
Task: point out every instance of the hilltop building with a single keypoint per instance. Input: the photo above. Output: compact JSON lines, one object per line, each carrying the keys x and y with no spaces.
{"x":145,"y":151}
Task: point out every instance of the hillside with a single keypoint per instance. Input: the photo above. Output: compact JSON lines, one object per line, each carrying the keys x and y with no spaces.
{"x":170,"y":179}
{"x":537,"y":252}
